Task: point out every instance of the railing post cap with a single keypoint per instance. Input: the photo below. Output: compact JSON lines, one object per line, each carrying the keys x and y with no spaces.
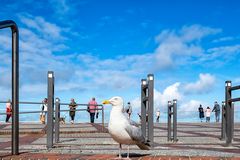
{"x":50,"y":74}
{"x":150,"y":77}
{"x":174,"y":100}
{"x":57,"y":99}
{"x":144,"y":81}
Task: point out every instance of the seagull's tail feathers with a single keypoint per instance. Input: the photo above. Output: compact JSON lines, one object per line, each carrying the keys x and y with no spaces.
{"x":144,"y":145}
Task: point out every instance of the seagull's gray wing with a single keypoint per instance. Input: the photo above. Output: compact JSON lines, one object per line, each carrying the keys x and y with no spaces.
{"x":134,"y":123}
{"x":135,"y":132}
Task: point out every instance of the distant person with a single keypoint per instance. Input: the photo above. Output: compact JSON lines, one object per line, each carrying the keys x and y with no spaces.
{"x":216,"y":109}
{"x":43,"y":108}
{"x":8,"y":110}
{"x":208,"y":114}
{"x":92,"y":109}
{"x":72,"y":110}
{"x":158,"y":115}
{"x":201,"y":112}
{"x":129,"y":109}
{"x":139,"y":115}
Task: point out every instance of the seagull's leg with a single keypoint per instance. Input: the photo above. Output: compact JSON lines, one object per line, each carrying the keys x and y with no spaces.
{"x":120,"y":148}
{"x":128,"y":153}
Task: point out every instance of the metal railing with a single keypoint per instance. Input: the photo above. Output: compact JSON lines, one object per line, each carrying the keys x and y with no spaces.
{"x":15,"y":82}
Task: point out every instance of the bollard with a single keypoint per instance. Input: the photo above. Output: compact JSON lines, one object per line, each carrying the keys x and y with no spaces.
{"x":57,"y":117}
{"x":50,"y":110}
{"x":150,"y":108}
{"x":223,"y":129}
{"x":228,"y":113}
{"x":15,"y":83}
{"x":175,"y":120}
{"x":172,"y":116}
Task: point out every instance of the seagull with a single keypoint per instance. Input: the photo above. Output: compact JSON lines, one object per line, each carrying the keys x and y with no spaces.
{"x":122,"y":129}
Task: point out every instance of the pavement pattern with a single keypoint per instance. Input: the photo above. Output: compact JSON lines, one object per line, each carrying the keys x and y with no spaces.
{"x":92,"y":141}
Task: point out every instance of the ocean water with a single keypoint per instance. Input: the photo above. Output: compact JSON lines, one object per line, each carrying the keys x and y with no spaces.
{"x":83,"y":116}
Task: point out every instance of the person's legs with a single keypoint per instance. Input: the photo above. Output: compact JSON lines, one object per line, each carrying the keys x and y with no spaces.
{"x":218,"y":116}
{"x":8,"y":117}
{"x":92,"y":117}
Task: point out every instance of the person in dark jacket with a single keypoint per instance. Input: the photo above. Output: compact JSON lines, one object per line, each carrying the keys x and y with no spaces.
{"x":201,"y":112}
{"x":72,"y":107}
{"x":216,"y":109}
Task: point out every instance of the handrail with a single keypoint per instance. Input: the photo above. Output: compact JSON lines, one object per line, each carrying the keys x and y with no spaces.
{"x":78,"y":104}
{"x":66,"y":110}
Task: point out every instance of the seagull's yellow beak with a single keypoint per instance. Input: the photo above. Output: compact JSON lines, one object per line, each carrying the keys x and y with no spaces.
{"x":106,"y":102}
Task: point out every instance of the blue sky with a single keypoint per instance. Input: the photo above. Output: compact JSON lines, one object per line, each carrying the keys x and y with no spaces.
{"x":104,"y":48}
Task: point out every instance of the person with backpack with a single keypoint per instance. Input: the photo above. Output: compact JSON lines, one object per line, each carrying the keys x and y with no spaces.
{"x":128,"y":109}
{"x":201,"y":112}
{"x":43,"y":108}
{"x":92,"y":109}
{"x":216,"y":109}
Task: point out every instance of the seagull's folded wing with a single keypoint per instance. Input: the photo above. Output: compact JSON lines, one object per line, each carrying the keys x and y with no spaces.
{"x":135,"y":133}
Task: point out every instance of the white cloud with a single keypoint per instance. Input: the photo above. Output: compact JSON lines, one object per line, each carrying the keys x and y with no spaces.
{"x":223,"y":39}
{"x":204,"y":85}
{"x":39,"y":24}
{"x":191,"y":105}
{"x":177,"y":47}
{"x":160,"y":99}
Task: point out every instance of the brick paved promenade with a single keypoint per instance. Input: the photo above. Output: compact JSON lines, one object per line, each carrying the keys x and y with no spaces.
{"x":86,"y":141}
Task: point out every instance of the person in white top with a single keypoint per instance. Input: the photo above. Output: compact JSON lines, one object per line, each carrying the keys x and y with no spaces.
{"x":158,"y":115}
{"x":43,"y":108}
{"x":128,"y":109}
{"x":208,"y":114}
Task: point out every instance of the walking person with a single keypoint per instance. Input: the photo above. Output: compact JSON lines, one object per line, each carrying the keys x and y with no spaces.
{"x":201,"y":112}
{"x":92,"y":109}
{"x":158,"y":115}
{"x":208,"y":114}
{"x":43,"y":108}
{"x":72,"y":110}
{"x":128,"y":109}
{"x":216,"y":109}
{"x":8,"y":110}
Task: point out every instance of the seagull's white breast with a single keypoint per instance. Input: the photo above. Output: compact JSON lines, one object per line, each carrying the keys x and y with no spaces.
{"x":117,"y":125}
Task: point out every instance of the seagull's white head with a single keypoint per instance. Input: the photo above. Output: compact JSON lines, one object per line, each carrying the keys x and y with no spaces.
{"x":114,"y":101}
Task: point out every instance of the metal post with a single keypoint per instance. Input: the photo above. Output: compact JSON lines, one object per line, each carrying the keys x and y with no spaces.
{"x":232,"y":120}
{"x":102,"y":119}
{"x":223,"y":129}
{"x":169,"y":120}
{"x":150,"y":108}
{"x":57,"y":117}
{"x":175,"y":120}
{"x":15,"y":83}
{"x":143,"y":106}
{"x":228,"y":96}
{"x":50,"y":109}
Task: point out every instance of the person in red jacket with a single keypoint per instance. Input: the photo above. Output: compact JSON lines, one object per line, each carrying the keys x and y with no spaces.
{"x":8,"y":110}
{"x":92,"y":109}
